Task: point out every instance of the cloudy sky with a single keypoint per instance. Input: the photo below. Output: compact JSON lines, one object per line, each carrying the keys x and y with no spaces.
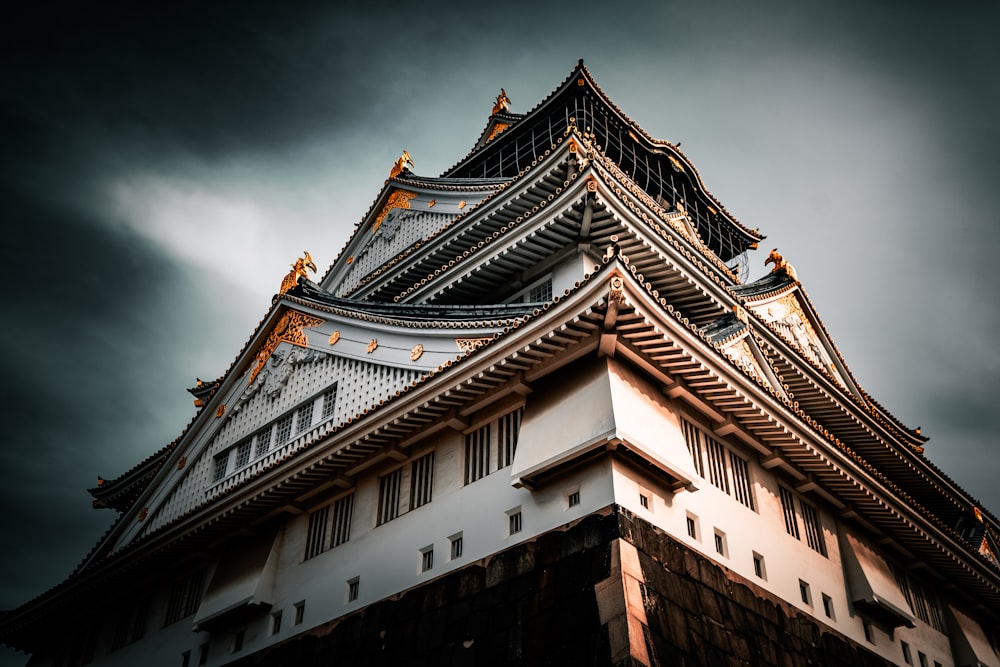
{"x":161,"y":164}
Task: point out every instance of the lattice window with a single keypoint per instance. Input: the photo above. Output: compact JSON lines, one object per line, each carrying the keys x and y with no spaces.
{"x":541,"y":292}
{"x":508,"y":427}
{"x":922,"y":601}
{"x":421,"y":481}
{"x":788,"y":510}
{"x":316,"y":533}
{"x":304,"y":417}
{"x":263,"y":442}
{"x":343,"y":510}
{"x":477,"y":454}
{"x":220,"y":465}
{"x":329,"y":401}
{"x":185,"y":596}
{"x":283,"y":431}
{"x":814,"y":532}
{"x":742,"y":489}
{"x":692,"y":435}
{"x":717,"y":464}
{"x":243,"y":453}
{"x":388,"y":496}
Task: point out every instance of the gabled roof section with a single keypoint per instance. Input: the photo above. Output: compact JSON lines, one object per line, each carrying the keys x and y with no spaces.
{"x":660,"y":166}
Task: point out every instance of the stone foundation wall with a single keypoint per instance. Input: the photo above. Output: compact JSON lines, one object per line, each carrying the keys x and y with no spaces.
{"x":610,"y":589}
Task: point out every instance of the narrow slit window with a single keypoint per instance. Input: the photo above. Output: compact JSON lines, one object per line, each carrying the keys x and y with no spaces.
{"x":388,"y":496}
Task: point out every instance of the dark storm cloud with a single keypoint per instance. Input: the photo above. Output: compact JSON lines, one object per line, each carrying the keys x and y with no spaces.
{"x":861,"y":138}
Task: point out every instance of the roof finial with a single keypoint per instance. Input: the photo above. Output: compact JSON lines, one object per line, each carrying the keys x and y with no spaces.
{"x":780,"y":263}
{"x":502,"y":103}
{"x":403,"y":163}
{"x":299,"y":268}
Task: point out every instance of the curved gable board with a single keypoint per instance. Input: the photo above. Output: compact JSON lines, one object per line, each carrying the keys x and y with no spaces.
{"x":591,"y":406}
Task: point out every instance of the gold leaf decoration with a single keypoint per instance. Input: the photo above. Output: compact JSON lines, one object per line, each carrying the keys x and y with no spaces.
{"x":373,"y":345}
{"x":416,"y":352}
{"x":334,"y":337}
{"x":289,"y":329}
{"x":397,"y":199}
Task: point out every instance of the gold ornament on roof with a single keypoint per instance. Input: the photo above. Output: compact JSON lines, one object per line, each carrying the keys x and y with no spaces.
{"x":397,"y":199}
{"x":779,"y":264}
{"x":495,"y":130}
{"x":416,"y":352}
{"x":289,"y":329}
{"x":403,"y":163}
{"x":470,"y":345}
{"x":372,"y":345}
{"x":299,"y":270}
{"x":334,"y":337}
{"x":502,"y":103}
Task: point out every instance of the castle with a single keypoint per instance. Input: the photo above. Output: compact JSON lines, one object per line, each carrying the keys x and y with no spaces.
{"x":535,"y":413}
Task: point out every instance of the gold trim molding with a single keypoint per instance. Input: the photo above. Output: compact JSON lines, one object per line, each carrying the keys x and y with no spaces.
{"x":289,"y":329}
{"x":398,"y":199}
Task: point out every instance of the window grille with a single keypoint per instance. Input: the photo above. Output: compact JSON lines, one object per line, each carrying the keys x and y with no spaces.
{"x":692,"y":528}
{"x":329,"y":401}
{"x":692,"y":435}
{"x":421,"y":481}
{"x":243,"y":453}
{"x":353,"y":588}
{"x":276,"y":622}
{"x":514,"y":522}
{"x":788,"y":509}
{"x":828,"y":606}
{"x":221,"y":463}
{"x":263,"y":440}
{"x":343,"y":511}
{"x":477,"y":454}
{"x":814,"y":533}
{"x":717,"y":464}
{"x":741,"y":480}
{"x":283,"y":431}
{"x":758,"y":566}
{"x":922,"y":601}
{"x":541,"y":292}
{"x":426,"y":560}
{"x":574,"y":499}
{"x":300,"y":612}
{"x":316,"y":533}
{"x":388,"y":496}
{"x":304,"y":417}
{"x":185,"y":596}
{"x":456,"y":547}
{"x":508,"y":427}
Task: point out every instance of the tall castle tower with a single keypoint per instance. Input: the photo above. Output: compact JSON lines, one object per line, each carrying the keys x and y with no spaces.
{"x":534,"y":413}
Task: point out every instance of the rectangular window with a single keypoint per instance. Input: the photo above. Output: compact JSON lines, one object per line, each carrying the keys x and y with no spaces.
{"x":426,"y":558}
{"x":788,"y":509}
{"x":220,"y":466}
{"x":804,"y":592}
{"x":421,"y":481}
{"x":304,"y":417}
{"x":353,"y":588}
{"x":343,"y":511}
{"x":300,"y":612}
{"x":907,"y":657}
{"x":329,"y":401}
{"x":186,"y":659}
{"x":541,"y":292}
{"x":692,"y":435}
{"x":692,"y":526}
{"x":507,"y":430}
{"x":263,"y":440}
{"x":720,"y":543}
{"x":203,"y":654}
{"x":742,"y":489}
{"x":828,"y":606}
{"x":514,"y":522}
{"x":922,"y":659}
{"x":456,"y":546}
{"x":814,"y":533}
{"x":717,"y":464}
{"x":276,"y":622}
{"x":388,"y":496}
{"x":644,"y":501}
{"x":573,"y":499}
{"x":758,"y":566}
{"x":185,"y":596}
{"x":316,"y":533}
{"x":238,"y":640}
{"x":283,"y":431}
{"x":477,"y":454}
{"x":243,"y":453}
{"x":922,"y":601}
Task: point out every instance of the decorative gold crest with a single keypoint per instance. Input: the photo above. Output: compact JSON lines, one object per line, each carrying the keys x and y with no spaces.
{"x":468,"y":345}
{"x":289,"y":329}
{"x":461,"y":205}
{"x":221,"y":411}
{"x":398,"y":199}
{"x":495,"y":130}
{"x":403,"y":163}
{"x":416,"y":352}
{"x":373,"y":345}
{"x":299,"y":270}
{"x":617,"y":293}
{"x":502,"y":103}
{"x":143,"y":513}
{"x":431,"y":204}
{"x":334,"y":337}
{"x":182,"y":462}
